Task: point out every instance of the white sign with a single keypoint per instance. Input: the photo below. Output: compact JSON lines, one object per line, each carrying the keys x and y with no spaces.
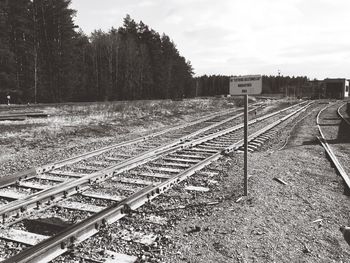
{"x":246,"y":85}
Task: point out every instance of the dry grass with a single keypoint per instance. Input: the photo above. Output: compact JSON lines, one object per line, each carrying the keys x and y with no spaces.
{"x":94,"y":120}
{"x":76,"y":128}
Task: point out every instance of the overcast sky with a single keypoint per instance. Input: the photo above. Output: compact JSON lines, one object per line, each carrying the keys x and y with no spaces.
{"x":231,"y":37}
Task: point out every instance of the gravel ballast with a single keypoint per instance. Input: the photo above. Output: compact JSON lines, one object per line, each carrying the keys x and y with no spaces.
{"x":297,"y":220}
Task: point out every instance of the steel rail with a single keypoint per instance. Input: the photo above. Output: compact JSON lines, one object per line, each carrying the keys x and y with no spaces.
{"x":31,"y":173}
{"x":329,"y":151}
{"x":341,"y":115}
{"x":272,"y":125}
{"x":240,"y":126}
{"x":66,"y":189}
{"x":59,"y":244}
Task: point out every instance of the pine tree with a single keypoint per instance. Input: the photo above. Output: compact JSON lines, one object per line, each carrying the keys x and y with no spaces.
{"x":7,"y":56}
{"x":21,"y":41}
{"x":44,"y":59}
{"x":55,"y":34}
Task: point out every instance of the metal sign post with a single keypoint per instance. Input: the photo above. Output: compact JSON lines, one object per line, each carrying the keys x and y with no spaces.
{"x":246,"y":85}
{"x":246,"y":144}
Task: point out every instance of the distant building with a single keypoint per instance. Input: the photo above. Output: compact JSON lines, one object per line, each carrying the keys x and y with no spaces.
{"x":336,"y":88}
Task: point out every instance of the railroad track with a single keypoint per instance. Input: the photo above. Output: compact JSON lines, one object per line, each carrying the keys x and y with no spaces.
{"x":38,"y":181}
{"x":133,"y":182}
{"x":125,"y":149}
{"x":334,"y":131}
{"x":78,"y":166}
{"x":343,"y":112}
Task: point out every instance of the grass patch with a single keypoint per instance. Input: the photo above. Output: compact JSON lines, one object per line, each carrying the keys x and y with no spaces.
{"x":95,"y":120}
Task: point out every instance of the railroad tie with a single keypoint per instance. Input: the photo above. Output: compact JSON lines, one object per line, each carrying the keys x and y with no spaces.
{"x":71,"y":205}
{"x":175,"y":164}
{"x":32,"y":185}
{"x":180,"y":160}
{"x":163,"y":169}
{"x":104,"y":196}
{"x":23,"y":237}
{"x":12,"y":194}
{"x":133,"y":181}
{"x":67,"y":173}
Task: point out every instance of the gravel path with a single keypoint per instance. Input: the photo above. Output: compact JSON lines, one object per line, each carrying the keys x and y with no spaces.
{"x":297,"y":222}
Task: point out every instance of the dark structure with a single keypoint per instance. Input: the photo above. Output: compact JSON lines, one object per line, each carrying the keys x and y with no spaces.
{"x":314,"y":89}
{"x":336,"y":88}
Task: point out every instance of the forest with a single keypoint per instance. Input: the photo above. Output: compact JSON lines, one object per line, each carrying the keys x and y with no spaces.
{"x":45,"y":57}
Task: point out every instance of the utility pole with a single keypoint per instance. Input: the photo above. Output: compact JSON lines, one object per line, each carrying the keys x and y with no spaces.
{"x":246,"y":145}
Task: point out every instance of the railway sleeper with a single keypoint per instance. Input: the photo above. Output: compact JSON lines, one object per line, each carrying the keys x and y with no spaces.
{"x":32,"y":185}
{"x":224,"y":142}
{"x":58,"y":179}
{"x":256,"y":144}
{"x":210,"y":147}
{"x":79,"y":206}
{"x":23,"y":237}
{"x":134,"y":181}
{"x":154,"y":175}
{"x":216,"y":143}
{"x":264,"y":137}
{"x":195,"y":157}
{"x":12,"y":194}
{"x":201,"y":151}
{"x":47,"y":201}
{"x":182,"y":160}
{"x":104,"y":196}
{"x":164,"y":169}
{"x":259,"y":140}
{"x":252,"y":147}
{"x":172,"y":164}
{"x":67,"y":173}
{"x":128,"y":187}
{"x":86,"y":168}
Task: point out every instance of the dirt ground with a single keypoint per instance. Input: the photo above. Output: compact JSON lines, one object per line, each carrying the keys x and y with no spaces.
{"x":297,"y":222}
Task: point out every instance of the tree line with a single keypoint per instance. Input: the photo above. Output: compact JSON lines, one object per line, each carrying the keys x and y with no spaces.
{"x":278,"y":84}
{"x":44,"y":57}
